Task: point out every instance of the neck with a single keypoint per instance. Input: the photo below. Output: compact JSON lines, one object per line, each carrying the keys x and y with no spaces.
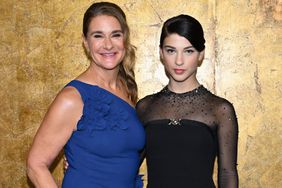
{"x":183,"y":87}
{"x":103,"y":78}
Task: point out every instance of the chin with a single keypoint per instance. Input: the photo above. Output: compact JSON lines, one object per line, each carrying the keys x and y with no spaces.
{"x":111,"y":67}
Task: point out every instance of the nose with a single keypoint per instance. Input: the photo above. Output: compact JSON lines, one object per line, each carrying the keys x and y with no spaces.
{"x":108,"y":43}
{"x":179,"y":59}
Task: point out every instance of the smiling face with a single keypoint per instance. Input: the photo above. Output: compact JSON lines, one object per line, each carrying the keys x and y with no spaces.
{"x":180,"y":59}
{"x":105,"y":42}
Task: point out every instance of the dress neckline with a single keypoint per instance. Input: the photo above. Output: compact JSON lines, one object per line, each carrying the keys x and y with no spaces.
{"x":92,"y":85}
{"x":196,"y":91}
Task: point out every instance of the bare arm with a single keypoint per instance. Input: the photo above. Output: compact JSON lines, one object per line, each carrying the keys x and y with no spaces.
{"x":227,"y":141}
{"x":53,"y":133}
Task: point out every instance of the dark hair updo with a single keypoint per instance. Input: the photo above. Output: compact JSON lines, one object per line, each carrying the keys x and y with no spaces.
{"x":185,"y":26}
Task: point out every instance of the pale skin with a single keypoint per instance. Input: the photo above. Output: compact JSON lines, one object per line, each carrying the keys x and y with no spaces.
{"x":105,"y":44}
{"x":181,"y":61}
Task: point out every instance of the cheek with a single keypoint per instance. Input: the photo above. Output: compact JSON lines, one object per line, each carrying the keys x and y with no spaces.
{"x":168,"y":59}
{"x":118,"y":43}
{"x":93,"y":45}
{"x":191,"y":60}
{"x":121,"y":46}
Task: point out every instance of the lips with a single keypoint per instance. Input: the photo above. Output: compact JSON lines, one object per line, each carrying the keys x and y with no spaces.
{"x":108,"y":54}
{"x":179,"y":71}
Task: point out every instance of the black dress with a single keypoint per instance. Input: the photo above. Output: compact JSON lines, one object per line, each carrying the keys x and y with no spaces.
{"x":184,"y":134}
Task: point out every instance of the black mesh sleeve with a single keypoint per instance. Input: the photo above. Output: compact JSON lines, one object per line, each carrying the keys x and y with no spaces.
{"x":227,"y":146}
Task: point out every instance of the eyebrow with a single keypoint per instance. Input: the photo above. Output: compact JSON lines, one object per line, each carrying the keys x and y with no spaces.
{"x":168,"y":46}
{"x":100,"y":32}
{"x":117,"y":31}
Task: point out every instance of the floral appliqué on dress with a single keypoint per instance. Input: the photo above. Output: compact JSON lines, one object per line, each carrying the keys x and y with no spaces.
{"x":100,"y":113}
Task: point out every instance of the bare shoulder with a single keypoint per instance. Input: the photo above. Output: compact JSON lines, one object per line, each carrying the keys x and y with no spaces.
{"x":66,"y":109}
{"x":69,"y":97}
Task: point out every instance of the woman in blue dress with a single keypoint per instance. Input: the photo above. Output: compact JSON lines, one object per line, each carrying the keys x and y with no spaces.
{"x":93,"y":117}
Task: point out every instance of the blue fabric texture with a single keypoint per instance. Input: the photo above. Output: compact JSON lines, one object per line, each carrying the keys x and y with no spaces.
{"x":104,"y":150}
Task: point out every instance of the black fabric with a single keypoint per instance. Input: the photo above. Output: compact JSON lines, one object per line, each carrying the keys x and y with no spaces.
{"x":184,"y":134}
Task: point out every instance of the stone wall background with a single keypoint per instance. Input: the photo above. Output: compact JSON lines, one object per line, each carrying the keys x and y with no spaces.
{"x":41,"y":50}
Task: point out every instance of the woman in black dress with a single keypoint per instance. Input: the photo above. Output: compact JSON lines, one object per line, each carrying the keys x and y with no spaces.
{"x":187,"y":126}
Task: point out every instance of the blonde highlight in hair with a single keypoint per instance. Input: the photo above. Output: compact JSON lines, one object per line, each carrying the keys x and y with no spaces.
{"x":126,"y":70}
{"x":127,"y":74}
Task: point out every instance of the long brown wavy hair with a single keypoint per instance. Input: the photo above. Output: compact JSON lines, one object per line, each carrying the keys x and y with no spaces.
{"x":126,"y":68}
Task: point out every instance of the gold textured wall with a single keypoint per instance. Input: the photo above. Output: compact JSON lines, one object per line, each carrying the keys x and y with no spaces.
{"x":40,"y":51}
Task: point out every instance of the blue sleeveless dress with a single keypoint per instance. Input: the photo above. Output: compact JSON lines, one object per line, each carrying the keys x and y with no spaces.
{"x":104,"y":150}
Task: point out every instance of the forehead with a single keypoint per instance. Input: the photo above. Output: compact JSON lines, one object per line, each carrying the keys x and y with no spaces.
{"x":104,"y":23}
{"x":176,"y":40}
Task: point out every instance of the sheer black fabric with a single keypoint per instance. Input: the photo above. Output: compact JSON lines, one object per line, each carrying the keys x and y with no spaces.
{"x":185,"y":132}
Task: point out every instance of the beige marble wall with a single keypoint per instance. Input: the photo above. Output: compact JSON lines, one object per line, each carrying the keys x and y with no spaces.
{"x":40,"y":51}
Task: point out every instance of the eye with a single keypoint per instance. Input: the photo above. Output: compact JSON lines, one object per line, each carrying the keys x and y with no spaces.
{"x":170,"y":51}
{"x":97,"y":36}
{"x":189,"y":51}
{"x":117,"y":35}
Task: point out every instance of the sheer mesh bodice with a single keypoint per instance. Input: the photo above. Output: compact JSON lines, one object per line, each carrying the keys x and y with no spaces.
{"x":185,"y":132}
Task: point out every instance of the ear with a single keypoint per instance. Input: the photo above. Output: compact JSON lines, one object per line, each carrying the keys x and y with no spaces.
{"x":201,"y":57}
{"x":85,"y":43}
{"x":86,"y":47}
{"x":161,"y":54}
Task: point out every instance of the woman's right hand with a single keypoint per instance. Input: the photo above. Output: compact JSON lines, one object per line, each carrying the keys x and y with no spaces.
{"x":66,"y":164}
